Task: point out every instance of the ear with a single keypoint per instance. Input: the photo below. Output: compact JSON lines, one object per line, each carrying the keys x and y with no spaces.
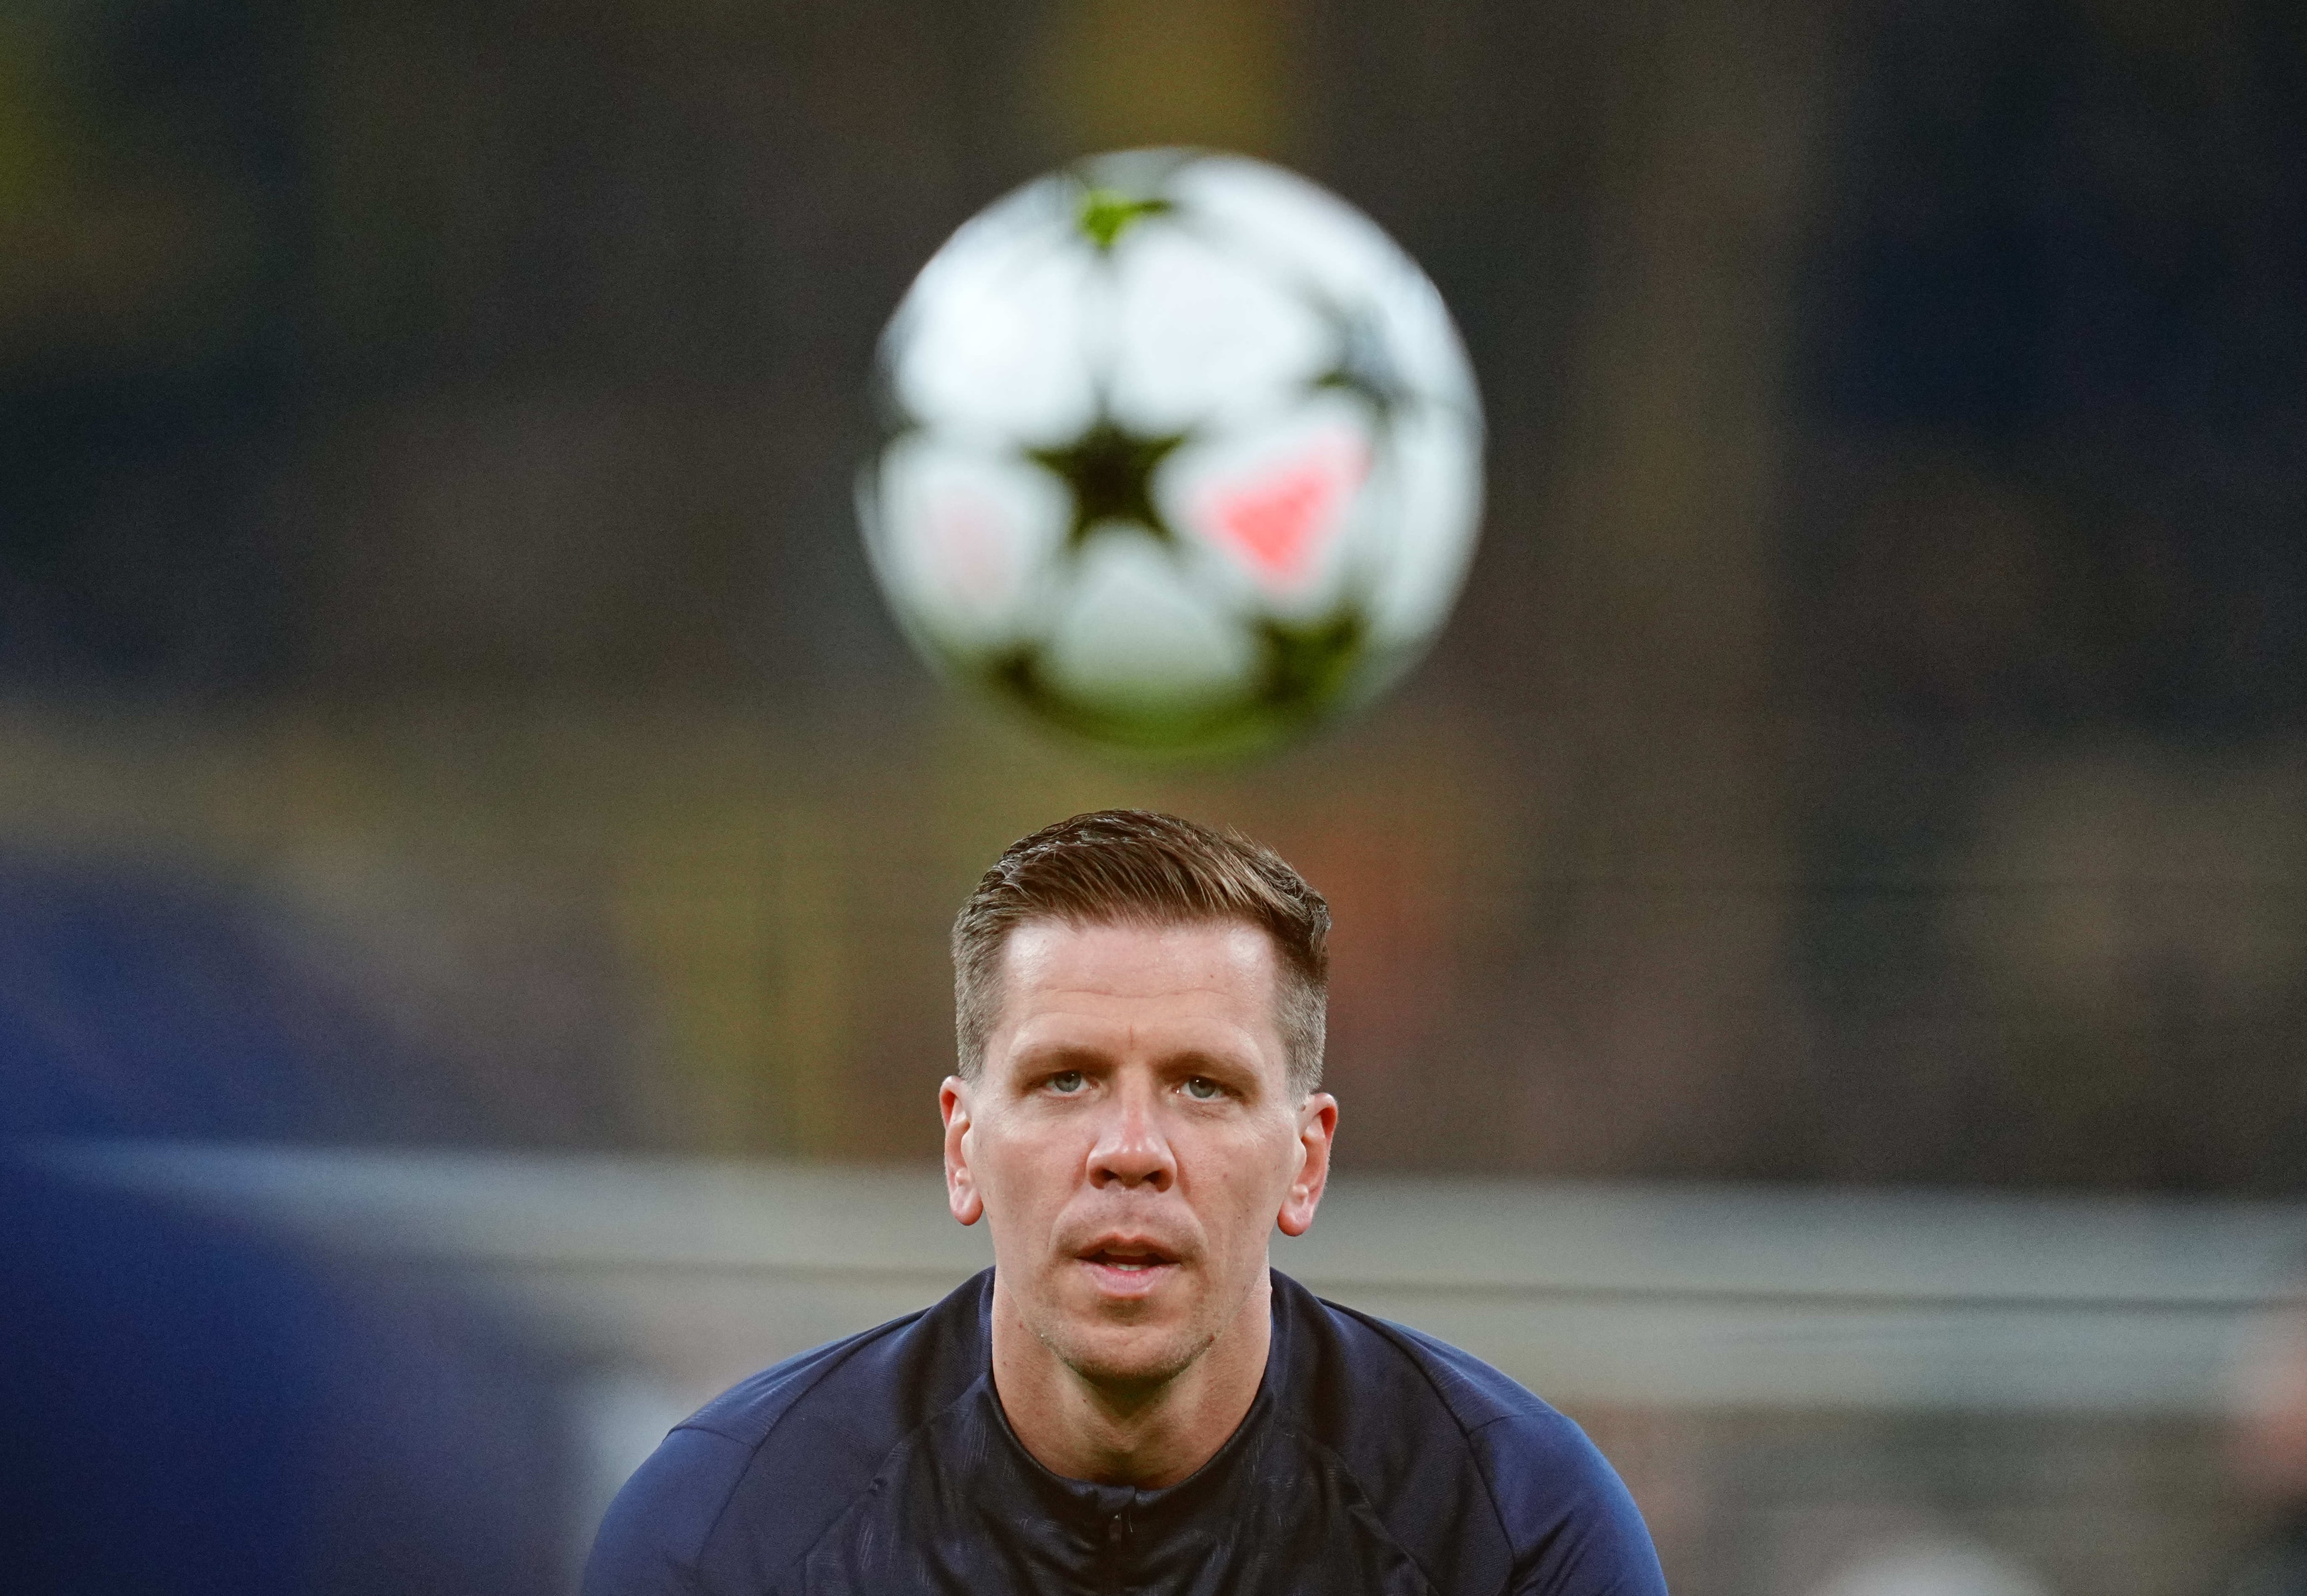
{"x":1318,"y":1124}
{"x":961,"y":1193}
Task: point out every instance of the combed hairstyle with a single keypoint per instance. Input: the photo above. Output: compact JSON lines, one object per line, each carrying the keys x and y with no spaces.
{"x":1133,"y":865}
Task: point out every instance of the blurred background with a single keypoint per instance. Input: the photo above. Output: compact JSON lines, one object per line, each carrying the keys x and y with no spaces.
{"x":444,"y":707}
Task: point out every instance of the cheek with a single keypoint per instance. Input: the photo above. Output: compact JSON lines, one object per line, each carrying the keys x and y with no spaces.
{"x":1029,"y":1165}
{"x":1249,"y":1175}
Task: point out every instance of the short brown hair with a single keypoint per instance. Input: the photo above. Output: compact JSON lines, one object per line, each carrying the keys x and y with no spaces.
{"x":1133,"y":865}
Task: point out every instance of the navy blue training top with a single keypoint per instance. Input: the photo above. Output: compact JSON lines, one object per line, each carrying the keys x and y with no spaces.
{"x":1374,"y":1460}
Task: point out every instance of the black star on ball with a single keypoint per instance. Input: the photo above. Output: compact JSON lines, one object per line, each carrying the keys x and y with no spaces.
{"x":1110,"y":471}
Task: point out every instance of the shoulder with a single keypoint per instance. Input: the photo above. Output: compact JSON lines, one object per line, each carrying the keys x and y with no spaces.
{"x":1490,"y":1488}
{"x":739,"y":1490}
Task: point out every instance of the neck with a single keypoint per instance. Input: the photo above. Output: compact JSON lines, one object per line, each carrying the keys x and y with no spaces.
{"x":1146,"y":1433}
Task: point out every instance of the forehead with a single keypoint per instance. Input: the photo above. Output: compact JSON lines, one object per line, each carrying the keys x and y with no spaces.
{"x":1056,"y":974}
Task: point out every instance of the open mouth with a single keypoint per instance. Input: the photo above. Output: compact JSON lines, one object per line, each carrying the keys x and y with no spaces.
{"x":1128,"y":1260}
{"x":1125,"y":1267}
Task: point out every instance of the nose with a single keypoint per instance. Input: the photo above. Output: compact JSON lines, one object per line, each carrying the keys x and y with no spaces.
{"x":1130,"y":1150}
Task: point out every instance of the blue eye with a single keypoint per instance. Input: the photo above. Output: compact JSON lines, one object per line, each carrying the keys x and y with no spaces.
{"x":1066,"y":1081}
{"x":1203,"y":1089}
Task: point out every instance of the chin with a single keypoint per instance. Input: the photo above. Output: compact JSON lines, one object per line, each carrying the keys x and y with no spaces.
{"x":1128,"y":1356}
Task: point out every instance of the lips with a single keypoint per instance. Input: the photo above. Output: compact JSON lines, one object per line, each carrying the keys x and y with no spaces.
{"x":1129,"y":1258}
{"x":1127,"y":1265}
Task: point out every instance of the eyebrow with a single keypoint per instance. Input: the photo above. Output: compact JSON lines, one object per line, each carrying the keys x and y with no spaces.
{"x":1215,"y":1063}
{"x":1060,"y":1055}
{"x":1066,"y":1055}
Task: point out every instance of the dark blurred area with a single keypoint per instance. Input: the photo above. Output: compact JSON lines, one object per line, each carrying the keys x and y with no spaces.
{"x":442,"y":699}
{"x":187,"y":1408}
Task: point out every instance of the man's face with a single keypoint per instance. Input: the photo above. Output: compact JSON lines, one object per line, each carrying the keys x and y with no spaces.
{"x":1132,"y":1137}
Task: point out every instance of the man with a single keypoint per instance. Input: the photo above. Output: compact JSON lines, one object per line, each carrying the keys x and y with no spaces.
{"x":1131,"y":1399}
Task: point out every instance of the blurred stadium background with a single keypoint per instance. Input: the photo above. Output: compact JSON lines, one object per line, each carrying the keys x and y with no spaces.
{"x":446,"y":719}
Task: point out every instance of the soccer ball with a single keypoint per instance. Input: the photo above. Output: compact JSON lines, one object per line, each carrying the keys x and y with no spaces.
{"x":1181,"y":455}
